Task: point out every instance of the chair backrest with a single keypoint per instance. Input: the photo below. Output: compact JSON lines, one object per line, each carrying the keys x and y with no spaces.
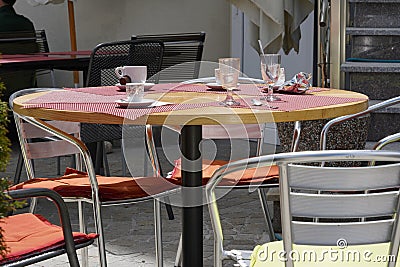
{"x":323,"y":205}
{"x":107,"y":56}
{"x":41,"y":40}
{"x":179,"y":48}
{"x":18,"y":42}
{"x":36,"y":143}
{"x":329,"y":206}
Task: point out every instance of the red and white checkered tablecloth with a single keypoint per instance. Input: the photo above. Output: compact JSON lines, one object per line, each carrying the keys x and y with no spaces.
{"x":80,"y":100}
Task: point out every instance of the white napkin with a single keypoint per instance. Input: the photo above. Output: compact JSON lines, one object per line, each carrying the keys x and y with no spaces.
{"x":159,"y":103}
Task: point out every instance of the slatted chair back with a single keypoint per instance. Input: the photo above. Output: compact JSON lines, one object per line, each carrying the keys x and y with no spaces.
{"x":323,"y":205}
{"x":41,"y":41}
{"x":180,"y":48}
{"x":38,"y":144}
{"x":326,"y":206}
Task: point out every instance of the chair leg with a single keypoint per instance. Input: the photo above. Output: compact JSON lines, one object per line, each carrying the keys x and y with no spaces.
{"x":158,"y":233}
{"x":18,"y":169}
{"x":123,"y":163}
{"x":178,"y":258}
{"x":82,"y":229}
{"x":58,"y":165}
{"x":264,"y":205}
{"x":105,"y":161}
{"x":100,"y":231}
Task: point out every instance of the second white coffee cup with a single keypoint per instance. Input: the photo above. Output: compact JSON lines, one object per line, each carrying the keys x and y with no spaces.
{"x":137,"y":74}
{"x":134,"y":92}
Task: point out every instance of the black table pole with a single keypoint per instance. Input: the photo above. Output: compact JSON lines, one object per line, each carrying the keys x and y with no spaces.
{"x":192,"y":216}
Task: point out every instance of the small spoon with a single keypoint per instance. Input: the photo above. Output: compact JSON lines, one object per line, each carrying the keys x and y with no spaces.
{"x":256,"y":102}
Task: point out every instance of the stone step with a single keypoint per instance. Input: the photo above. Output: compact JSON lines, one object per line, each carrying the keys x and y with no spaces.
{"x":369,"y":67}
{"x":372,"y":31}
{"x":373,"y":43}
{"x":378,"y":81}
{"x":373,"y":1}
{"x":384,"y":122}
{"x":375,"y":14}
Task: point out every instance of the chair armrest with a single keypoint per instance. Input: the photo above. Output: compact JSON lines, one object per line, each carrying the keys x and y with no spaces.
{"x":328,"y":125}
{"x":62,"y":210}
{"x":387,"y":140}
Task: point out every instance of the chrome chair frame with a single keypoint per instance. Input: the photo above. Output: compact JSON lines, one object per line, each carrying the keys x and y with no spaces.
{"x":381,"y":105}
{"x":261,"y":189}
{"x":285,"y":160}
{"x":89,"y":166}
{"x":386,"y":141}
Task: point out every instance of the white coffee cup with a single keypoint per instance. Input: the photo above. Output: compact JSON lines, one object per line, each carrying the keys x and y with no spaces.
{"x":138,"y":74}
{"x":134,"y":92}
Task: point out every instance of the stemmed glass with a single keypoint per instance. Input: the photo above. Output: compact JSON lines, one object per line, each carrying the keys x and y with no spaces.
{"x":270,"y":71}
{"x":229,"y":69}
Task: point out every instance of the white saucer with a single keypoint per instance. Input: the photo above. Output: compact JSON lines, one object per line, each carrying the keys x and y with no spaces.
{"x":146,"y":86}
{"x":216,"y":86}
{"x":142,"y":104}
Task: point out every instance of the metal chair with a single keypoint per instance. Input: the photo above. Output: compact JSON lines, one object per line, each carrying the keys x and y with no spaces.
{"x":339,"y":207}
{"x":87,"y":187}
{"x":103,"y":61}
{"x":259,"y":180}
{"x":42,"y":240}
{"x":179,"y":48}
{"x":342,"y":119}
{"x":43,"y":47}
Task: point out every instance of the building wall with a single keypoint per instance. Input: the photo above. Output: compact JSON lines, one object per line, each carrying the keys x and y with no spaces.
{"x":100,"y":21}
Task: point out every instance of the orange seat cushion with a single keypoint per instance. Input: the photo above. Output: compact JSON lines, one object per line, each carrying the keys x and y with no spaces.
{"x":76,"y":184}
{"x":28,"y":234}
{"x":254,"y":176}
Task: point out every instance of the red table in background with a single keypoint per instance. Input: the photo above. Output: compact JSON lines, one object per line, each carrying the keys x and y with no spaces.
{"x":65,"y":60}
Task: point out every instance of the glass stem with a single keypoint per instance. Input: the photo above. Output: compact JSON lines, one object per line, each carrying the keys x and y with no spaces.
{"x":229,"y":96}
{"x":270,"y":89}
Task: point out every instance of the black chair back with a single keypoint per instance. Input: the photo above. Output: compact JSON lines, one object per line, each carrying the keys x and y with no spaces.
{"x":179,"y":48}
{"x":107,"y":56}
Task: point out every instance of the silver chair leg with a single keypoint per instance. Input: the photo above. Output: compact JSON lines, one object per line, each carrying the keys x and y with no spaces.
{"x":178,"y":259}
{"x":99,"y":230}
{"x":82,"y":229}
{"x":105,"y":161}
{"x":264,"y":205}
{"x":158,"y":233}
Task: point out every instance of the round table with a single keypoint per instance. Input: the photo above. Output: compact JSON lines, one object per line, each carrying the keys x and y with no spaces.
{"x":191,"y":136}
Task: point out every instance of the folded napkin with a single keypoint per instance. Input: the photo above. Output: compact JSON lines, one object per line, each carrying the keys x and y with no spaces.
{"x":299,"y":84}
{"x":159,"y":104}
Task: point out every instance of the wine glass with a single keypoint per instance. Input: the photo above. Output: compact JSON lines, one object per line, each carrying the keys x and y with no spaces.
{"x":229,"y":69}
{"x":270,"y":71}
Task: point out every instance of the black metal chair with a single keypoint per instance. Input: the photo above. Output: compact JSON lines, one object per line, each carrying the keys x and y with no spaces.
{"x":43,"y":47}
{"x":179,"y":48}
{"x":42,"y":241}
{"x":104,"y":59}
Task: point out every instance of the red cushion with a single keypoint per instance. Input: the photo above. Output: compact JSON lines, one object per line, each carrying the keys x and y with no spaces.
{"x":76,"y":184}
{"x":249,"y":176}
{"x":28,"y":233}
